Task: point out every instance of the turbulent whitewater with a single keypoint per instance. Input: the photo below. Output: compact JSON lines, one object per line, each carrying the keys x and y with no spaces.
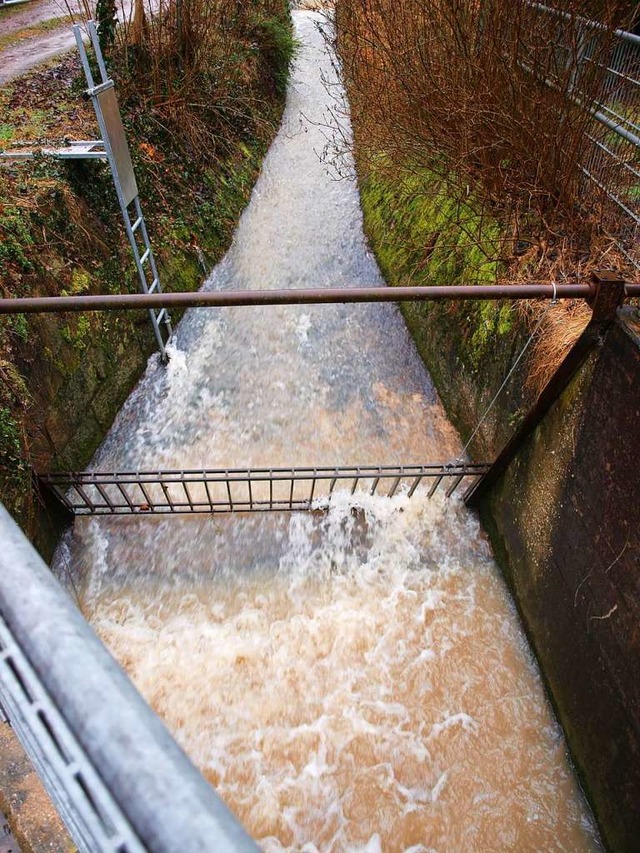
{"x":355,"y":680}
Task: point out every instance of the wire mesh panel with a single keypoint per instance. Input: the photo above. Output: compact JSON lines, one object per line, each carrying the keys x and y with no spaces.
{"x":613,"y":160}
{"x":245,"y":490}
{"x":599,"y":69}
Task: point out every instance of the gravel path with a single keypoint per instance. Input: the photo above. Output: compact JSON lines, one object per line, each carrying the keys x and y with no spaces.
{"x":13,"y":18}
{"x":27,"y":53}
{"x":20,"y":58}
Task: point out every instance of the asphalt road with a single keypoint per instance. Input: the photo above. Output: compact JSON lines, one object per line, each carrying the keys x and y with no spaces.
{"x":18,"y":58}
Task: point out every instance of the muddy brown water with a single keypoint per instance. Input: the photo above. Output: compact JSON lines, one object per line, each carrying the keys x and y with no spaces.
{"x":349,"y":680}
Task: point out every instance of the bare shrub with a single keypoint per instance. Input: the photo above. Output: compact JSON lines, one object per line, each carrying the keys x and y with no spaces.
{"x":481,"y":90}
{"x":491,"y":100}
{"x":201,"y":70}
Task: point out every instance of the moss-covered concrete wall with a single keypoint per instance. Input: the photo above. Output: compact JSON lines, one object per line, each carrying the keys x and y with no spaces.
{"x":420,"y":237}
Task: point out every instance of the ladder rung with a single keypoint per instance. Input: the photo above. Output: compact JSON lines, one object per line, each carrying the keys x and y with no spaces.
{"x":153,"y":286}
{"x":136,"y":224}
{"x":145,"y":257}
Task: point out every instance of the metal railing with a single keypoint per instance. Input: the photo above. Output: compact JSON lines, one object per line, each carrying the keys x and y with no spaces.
{"x":612,"y":160}
{"x":245,"y":490}
{"x":117,"y":777}
{"x":304,"y":296}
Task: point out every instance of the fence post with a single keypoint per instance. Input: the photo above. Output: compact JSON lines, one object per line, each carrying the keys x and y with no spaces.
{"x":608,"y":296}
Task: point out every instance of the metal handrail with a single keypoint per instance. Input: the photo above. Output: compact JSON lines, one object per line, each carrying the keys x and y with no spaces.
{"x":120,"y":756}
{"x":301,"y":296}
{"x":588,"y":23}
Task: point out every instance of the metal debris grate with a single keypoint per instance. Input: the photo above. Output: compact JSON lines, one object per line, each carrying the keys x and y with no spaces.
{"x":244,"y":490}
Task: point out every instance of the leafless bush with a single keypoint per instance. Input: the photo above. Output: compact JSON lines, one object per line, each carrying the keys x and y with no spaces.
{"x":484,"y":90}
{"x":484,"y":107}
{"x":198,"y":68}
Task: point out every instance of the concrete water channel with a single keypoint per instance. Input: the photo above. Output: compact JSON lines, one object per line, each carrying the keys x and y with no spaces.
{"x":352,"y":680}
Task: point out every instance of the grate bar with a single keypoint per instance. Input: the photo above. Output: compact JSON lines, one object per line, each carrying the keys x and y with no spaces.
{"x":147,"y":497}
{"x":75,"y":489}
{"x":435,"y":484}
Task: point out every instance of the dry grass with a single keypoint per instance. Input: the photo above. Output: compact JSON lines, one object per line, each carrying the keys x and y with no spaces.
{"x":558,"y":259}
{"x":197,"y":66}
{"x":560,"y":331}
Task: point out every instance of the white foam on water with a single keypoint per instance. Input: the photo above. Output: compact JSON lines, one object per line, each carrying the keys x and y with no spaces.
{"x":349,"y":680}
{"x":371,"y":683}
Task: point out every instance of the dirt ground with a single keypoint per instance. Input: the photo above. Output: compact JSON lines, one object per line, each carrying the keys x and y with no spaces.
{"x":15,"y":18}
{"x":29,"y":49}
{"x":34,"y":824}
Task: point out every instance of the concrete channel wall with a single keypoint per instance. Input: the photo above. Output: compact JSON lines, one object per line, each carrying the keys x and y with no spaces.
{"x":564,"y":519}
{"x":564,"y":522}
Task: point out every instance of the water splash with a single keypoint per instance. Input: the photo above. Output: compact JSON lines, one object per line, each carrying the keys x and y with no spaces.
{"x":370,"y":684}
{"x":348,"y":680}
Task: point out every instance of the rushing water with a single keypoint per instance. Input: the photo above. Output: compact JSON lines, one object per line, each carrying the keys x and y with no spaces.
{"x":356,"y":680}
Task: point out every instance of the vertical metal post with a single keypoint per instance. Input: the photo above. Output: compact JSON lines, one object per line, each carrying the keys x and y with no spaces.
{"x":117,"y":151}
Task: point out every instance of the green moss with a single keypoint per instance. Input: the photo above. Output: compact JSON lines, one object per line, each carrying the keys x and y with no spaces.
{"x":491,"y":319}
{"x":277,"y":46}
{"x":16,"y":238}
{"x":18,"y":324}
{"x":80,"y":281}
{"x":420,"y":232}
{"x":422,"y":235}
{"x":14,"y":469}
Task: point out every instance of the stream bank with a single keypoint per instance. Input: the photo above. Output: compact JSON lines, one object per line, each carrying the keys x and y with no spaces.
{"x":64,"y":378}
{"x":349,"y":679}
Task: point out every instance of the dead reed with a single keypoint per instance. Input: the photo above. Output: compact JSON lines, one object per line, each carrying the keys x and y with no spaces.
{"x":481,"y":90}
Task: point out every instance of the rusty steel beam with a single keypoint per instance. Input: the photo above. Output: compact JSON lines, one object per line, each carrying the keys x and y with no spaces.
{"x":609,"y":295}
{"x":311,"y":296}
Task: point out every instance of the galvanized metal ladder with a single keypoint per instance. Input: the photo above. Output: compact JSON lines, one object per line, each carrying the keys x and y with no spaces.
{"x":113,"y":148}
{"x":105,"y":104}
